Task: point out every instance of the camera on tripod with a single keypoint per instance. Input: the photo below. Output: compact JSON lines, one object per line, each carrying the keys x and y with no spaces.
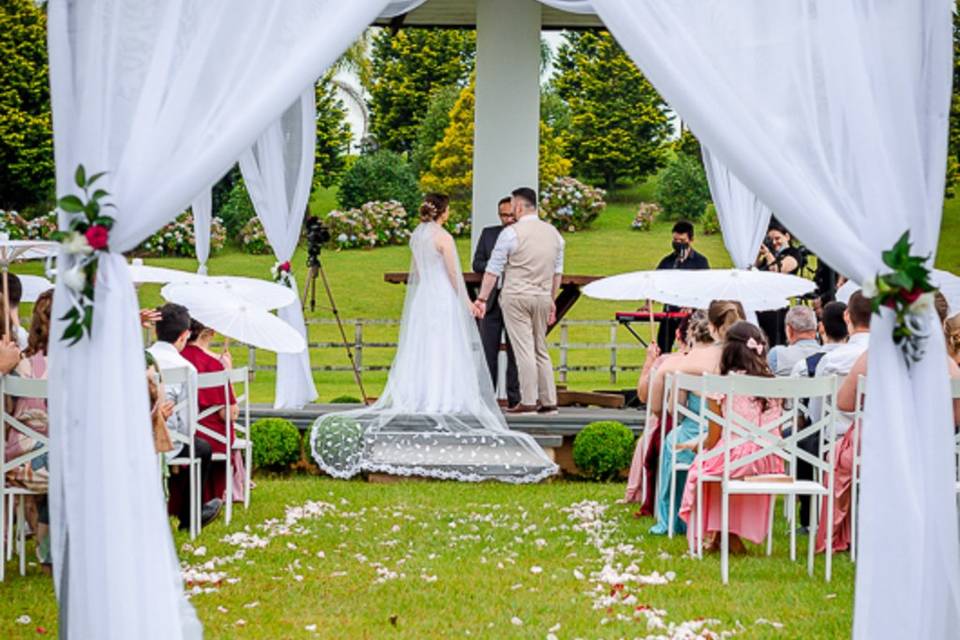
{"x":317,"y":235}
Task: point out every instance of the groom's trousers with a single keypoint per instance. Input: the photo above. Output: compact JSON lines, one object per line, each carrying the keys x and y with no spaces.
{"x":526,"y":317}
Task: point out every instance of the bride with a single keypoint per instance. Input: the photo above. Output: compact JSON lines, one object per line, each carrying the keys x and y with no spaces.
{"x":438,"y":415}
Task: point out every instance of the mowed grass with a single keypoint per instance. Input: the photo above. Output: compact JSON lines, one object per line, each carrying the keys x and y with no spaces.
{"x":356,"y":278}
{"x":440,"y":559}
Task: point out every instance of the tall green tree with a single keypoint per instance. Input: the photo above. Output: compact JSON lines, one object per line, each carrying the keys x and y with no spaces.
{"x":451,"y":168}
{"x":433,"y":126}
{"x":407,"y":67}
{"x":26,"y":134}
{"x":953,"y":147}
{"x":333,"y":136}
{"x":619,"y":121}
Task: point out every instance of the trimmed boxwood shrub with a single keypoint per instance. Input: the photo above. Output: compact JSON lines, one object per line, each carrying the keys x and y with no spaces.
{"x":276,"y":443}
{"x":603,"y":449}
{"x":380,"y":176}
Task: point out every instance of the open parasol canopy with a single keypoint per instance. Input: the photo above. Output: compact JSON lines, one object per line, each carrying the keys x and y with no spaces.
{"x":235,"y":317}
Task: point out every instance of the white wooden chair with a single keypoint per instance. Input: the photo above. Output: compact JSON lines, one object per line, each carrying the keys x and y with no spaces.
{"x":682,"y":384}
{"x":738,"y":430}
{"x":241,"y":428}
{"x":187,"y":456}
{"x":14,"y":386}
{"x":857,"y":428}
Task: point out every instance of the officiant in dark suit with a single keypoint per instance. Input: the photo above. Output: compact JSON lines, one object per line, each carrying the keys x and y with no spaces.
{"x":492,"y":325}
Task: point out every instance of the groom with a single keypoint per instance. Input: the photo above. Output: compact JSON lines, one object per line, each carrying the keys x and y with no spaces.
{"x":529,"y":256}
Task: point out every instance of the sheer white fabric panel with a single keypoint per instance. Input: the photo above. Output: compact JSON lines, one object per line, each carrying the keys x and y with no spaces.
{"x":743,"y":218}
{"x":835,"y":115}
{"x":202,"y":207}
{"x":164,"y":96}
{"x":278,"y":171}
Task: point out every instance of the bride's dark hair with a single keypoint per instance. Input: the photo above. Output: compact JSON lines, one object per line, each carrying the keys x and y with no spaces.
{"x":433,"y":206}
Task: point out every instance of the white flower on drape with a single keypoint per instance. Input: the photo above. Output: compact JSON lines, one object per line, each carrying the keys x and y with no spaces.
{"x":278,"y":172}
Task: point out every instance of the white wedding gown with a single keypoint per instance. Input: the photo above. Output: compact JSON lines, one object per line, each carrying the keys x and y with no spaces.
{"x":438,"y":415}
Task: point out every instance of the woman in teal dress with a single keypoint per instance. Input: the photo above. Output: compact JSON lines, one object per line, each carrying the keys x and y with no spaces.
{"x":705,"y":334}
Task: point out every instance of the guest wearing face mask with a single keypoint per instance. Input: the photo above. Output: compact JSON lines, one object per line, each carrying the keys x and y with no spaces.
{"x":684,"y":256}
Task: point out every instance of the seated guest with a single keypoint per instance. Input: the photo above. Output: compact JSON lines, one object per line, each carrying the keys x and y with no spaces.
{"x":32,"y":412}
{"x":646,"y":453}
{"x":833,"y":333}
{"x":844,"y":455}
{"x":749,"y":515}
{"x":173,"y":331}
{"x":704,"y":357}
{"x":198,"y":353}
{"x":15,"y":293}
{"x":801,"y":327}
{"x":839,"y":360}
{"x":951,"y":330}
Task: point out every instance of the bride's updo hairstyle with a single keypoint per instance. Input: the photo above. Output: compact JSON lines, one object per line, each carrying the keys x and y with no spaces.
{"x":951,"y":331}
{"x":723,"y":314}
{"x":433,"y":207}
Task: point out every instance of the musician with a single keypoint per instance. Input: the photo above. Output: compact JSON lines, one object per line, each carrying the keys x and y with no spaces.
{"x":684,"y":256}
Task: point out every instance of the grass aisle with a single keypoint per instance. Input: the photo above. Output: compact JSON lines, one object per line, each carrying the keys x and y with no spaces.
{"x":442,"y":559}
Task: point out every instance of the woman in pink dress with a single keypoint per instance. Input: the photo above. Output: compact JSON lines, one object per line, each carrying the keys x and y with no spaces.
{"x":32,"y":412}
{"x":199,"y":354}
{"x":744,"y":352}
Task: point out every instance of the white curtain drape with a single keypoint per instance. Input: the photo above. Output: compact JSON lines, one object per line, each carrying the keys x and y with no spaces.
{"x":202,"y":207}
{"x":743,"y":218}
{"x":278,"y":171}
{"x":835,"y":115}
{"x":164,"y":96}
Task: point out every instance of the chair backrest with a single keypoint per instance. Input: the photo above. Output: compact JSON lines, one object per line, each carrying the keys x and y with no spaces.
{"x":767,"y":437}
{"x":213,"y":380}
{"x":187,"y":403}
{"x":686,"y":383}
{"x":240,"y":379}
{"x":17,"y":387}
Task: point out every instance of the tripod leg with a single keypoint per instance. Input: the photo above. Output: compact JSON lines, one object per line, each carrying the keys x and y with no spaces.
{"x":343,"y":334}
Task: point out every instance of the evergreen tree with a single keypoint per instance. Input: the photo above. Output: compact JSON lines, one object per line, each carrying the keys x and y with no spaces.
{"x":26,"y":133}
{"x":953,"y":147}
{"x":619,"y":121}
{"x":407,"y":67}
{"x":433,"y":126}
{"x":451,"y":169}
{"x":333,"y":136}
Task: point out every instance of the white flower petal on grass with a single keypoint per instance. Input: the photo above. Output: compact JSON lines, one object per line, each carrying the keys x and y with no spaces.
{"x":222,"y":609}
{"x":200,"y":551}
{"x":252,"y":605}
{"x":536,"y":570}
{"x":240,"y":623}
{"x":24,"y":619}
{"x":311,"y":628}
{"x":554,"y":628}
{"x":516,"y":621}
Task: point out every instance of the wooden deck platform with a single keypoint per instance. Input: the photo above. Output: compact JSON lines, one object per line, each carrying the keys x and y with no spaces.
{"x":554,"y":433}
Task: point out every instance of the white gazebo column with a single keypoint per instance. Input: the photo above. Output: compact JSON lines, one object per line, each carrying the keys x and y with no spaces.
{"x":507,"y":114}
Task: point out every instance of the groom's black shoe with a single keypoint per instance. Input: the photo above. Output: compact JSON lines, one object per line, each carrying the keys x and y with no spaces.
{"x":522,"y":410}
{"x":548,"y":411}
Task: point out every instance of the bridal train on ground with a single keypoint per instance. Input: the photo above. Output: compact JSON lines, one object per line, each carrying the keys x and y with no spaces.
{"x":437,"y":416}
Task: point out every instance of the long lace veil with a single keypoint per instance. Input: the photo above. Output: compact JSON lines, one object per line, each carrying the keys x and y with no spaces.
{"x":438,"y":415}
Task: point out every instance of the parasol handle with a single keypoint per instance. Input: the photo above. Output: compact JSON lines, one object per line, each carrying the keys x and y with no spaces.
{"x":650,"y":318}
{"x":6,"y":305}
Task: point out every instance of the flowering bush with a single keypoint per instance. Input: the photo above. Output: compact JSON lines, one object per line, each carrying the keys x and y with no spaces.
{"x":12,"y":224}
{"x":280,"y":271}
{"x":711,"y":222}
{"x":647,"y":212}
{"x":374,"y":224}
{"x":177,"y":239}
{"x":253,"y":238}
{"x":42,"y":227}
{"x":570,"y":205}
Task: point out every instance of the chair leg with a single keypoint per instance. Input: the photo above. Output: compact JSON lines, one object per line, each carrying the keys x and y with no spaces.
{"x":247,"y":471}
{"x":673,"y":497}
{"x":22,"y":534}
{"x":724,"y":537}
{"x":194,"y":515}
{"x":853,"y":519}
{"x":229,"y":467}
{"x":793,"y":539}
{"x":11,"y":504}
{"x":812,"y":542}
{"x":773,"y":504}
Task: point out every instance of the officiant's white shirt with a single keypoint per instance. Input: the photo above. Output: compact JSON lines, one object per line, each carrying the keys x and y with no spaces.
{"x":507,"y":243}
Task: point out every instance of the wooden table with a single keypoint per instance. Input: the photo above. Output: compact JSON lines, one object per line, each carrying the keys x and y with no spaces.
{"x":570,"y":289}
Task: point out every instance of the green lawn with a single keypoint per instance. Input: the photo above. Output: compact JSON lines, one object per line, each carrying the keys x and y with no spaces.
{"x":442,"y":559}
{"x":356,"y":277}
